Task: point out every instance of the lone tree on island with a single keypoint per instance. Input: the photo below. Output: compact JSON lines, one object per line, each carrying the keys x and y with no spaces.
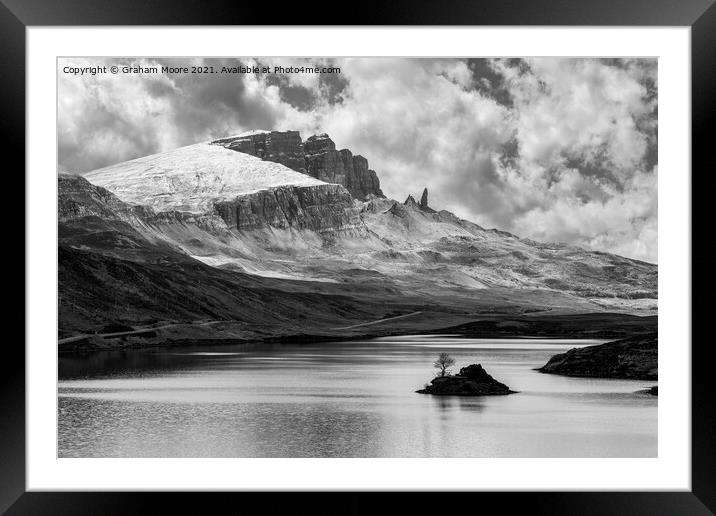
{"x":443,"y":363}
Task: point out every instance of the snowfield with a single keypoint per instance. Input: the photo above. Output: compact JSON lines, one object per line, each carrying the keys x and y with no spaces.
{"x":191,"y":178}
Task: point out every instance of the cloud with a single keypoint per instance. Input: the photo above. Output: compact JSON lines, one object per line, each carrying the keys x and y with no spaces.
{"x":551,"y":149}
{"x":104,"y":119}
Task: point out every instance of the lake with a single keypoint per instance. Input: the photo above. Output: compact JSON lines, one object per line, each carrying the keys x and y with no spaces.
{"x":344,"y":399}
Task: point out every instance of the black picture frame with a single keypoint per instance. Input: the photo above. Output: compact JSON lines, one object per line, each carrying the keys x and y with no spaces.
{"x":17,"y":15}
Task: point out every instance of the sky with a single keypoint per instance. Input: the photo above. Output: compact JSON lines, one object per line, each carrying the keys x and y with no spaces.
{"x":553,"y":149}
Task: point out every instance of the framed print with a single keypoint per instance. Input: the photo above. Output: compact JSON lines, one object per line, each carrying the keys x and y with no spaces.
{"x":423,"y":254}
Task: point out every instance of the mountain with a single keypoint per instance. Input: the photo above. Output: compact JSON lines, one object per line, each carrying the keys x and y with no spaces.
{"x":224,"y":239}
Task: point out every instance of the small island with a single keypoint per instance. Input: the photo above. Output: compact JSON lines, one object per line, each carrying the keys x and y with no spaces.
{"x":472,"y":380}
{"x":633,"y":358}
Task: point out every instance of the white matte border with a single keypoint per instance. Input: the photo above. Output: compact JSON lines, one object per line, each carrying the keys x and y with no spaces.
{"x":671,"y":470}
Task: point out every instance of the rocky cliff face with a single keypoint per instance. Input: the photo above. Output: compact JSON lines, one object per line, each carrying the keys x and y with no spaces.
{"x":363,"y":181}
{"x":317,"y":157}
{"x":324,"y":208}
{"x":283,"y":147}
{"x":77,"y":198}
{"x":324,"y":162}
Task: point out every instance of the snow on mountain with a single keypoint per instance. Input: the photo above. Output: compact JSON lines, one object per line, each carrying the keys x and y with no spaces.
{"x":251,"y":133}
{"x":192,"y":178}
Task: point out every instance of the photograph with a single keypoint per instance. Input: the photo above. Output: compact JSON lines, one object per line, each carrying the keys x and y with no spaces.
{"x":343,"y":257}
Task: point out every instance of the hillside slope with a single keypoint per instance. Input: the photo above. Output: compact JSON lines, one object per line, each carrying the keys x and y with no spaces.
{"x":199,"y":223}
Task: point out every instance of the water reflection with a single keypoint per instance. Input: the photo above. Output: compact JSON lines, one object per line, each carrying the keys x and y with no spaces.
{"x":346,"y":399}
{"x":452,"y":403}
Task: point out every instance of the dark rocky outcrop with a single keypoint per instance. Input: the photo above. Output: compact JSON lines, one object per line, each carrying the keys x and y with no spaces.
{"x":654,"y":391}
{"x":423,"y":204}
{"x":630,"y":358}
{"x":283,"y":147}
{"x":424,"y":199}
{"x":326,"y":163}
{"x":363,"y":181}
{"x":319,"y":208}
{"x":77,"y":198}
{"x":472,"y":380}
{"x":317,"y":157}
{"x":411,"y":203}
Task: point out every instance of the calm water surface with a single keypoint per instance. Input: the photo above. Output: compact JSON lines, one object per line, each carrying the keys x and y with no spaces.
{"x":344,"y":399}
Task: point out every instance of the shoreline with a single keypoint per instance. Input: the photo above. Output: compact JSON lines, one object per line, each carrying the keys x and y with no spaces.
{"x":88,"y":343}
{"x":604,"y":326}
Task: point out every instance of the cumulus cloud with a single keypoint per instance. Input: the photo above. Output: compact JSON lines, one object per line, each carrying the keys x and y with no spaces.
{"x":551,"y":149}
{"x":105,"y":119}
